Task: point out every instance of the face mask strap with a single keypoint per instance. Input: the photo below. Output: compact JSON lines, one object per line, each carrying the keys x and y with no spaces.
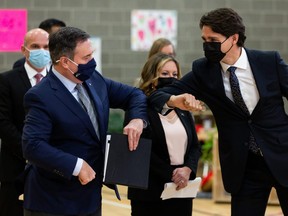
{"x":73,"y":62}
{"x":225,"y":40}
{"x":57,"y":61}
{"x":231,"y":45}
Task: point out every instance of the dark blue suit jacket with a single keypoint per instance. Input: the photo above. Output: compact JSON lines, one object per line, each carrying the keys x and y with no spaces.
{"x":268,"y":121}
{"x":57,"y":131}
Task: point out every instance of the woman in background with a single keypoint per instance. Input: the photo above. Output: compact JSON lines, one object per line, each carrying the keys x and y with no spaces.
{"x":175,"y":148}
{"x":162,"y":45}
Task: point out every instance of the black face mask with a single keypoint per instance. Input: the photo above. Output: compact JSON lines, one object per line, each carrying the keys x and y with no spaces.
{"x":213,"y":51}
{"x":162,"y":82}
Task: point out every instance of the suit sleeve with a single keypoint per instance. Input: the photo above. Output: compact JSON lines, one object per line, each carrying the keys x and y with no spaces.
{"x":132,"y":100}
{"x":188,"y":84}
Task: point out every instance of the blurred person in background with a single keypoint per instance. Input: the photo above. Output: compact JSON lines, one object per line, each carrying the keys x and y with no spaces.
{"x":13,"y":85}
{"x":49,"y":25}
{"x":162,"y":45}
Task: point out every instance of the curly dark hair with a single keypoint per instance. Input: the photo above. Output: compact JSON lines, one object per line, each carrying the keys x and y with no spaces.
{"x":225,"y":21}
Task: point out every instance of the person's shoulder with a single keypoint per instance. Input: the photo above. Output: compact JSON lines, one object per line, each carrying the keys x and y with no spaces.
{"x":262,"y":53}
{"x":200,"y":61}
{"x":42,"y":90}
{"x":20,"y":62}
{"x":12,"y":72}
{"x":200,"y":64}
{"x":97,"y":76}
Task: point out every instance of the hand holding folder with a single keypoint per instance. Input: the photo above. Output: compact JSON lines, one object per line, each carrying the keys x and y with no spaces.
{"x":189,"y":191}
{"x":125,"y":167}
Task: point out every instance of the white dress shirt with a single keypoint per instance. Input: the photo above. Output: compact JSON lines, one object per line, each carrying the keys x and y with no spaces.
{"x":246,"y":80}
{"x":31,"y":73}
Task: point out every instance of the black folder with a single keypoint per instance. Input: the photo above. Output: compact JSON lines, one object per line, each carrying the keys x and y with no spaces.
{"x":125,"y":167}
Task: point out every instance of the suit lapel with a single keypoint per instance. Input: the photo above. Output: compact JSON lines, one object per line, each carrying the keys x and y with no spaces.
{"x":24,"y":77}
{"x":216,"y":70}
{"x":216,"y":78}
{"x":257,"y":71}
{"x":187,"y":126}
{"x":158,"y":130}
{"x":62,"y":93}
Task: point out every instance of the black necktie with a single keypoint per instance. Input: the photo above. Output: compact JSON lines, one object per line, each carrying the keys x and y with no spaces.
{"x":86,"y":104}
{"x":238,"y":100}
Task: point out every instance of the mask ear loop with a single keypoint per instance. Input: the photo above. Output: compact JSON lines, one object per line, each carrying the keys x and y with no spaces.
{"x":230,"y":47}
{"x":224,"y":40}
{"x":73,"y":62}
{"x":57,"y":61}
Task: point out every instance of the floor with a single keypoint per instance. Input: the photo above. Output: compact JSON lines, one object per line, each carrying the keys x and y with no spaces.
{"x":202,"y":206}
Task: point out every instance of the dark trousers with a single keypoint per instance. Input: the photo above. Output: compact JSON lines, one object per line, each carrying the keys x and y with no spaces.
{"x":253,"y":196}
{"x":9,"y":200}
{"x":33,"y":213}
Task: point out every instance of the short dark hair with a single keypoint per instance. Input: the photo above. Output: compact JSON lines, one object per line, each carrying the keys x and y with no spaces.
{"x":49,"y":23}
{"x":225,"y":21}
{"x":64,"y":41}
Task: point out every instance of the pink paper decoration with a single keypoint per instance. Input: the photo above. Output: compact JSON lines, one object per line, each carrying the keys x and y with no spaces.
{"x":13,"y":27}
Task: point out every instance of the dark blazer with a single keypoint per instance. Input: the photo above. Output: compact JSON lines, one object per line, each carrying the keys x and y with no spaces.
{"x":160,"y":168}
{"x":19,"y":63}
{"x":58,"y":130}
{"x":268,"y":121}
{"x":13,"y":85}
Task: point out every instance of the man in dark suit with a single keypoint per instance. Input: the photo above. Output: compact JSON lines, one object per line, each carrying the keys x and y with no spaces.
{"x":50,"y":25}
{"x":13,"y":85}
{"x":251,"y":121}
{"x":64,"y":136}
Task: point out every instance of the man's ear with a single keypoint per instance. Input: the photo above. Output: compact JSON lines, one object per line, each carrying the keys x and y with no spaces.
{"x":24,"y":51}
{"x":235,"y":38}
{"x":63,"y":61}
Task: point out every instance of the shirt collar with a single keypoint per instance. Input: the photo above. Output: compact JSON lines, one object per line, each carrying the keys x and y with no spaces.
{"x":241,"y":63}
{"x":66,"y":82}
{"x":31,"y":72}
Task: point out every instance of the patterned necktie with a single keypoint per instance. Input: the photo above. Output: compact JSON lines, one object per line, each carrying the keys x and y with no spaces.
{"x":87,"y":106}
{"x":238,"y":100}
{"x":38,"y":77}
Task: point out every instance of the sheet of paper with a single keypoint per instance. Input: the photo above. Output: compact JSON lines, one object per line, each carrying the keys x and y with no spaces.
{"x":188,"y":192}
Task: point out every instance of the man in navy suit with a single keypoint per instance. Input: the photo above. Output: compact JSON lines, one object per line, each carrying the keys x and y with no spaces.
{"x":63,"y":144}
{"x":253,"y":133}
{"x":13,"y":85}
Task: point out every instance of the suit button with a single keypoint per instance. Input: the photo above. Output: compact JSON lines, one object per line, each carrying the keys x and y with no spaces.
{"x":249,"y":121}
